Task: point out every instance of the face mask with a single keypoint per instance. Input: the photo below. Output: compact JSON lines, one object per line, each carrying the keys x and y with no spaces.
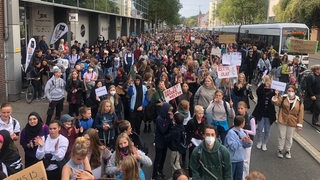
{"x":112,"y":93}
{"x":125,"y":149}
{"x":67,"y":125}
{"x":291,"y":94}
{"x":90,"y":70}
{"x":210,"y":140}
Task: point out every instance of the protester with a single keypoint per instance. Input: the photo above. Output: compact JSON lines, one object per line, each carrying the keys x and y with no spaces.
{"x":205,"y":93}
{"x":69,"y":130}
{"x":9,"y":123}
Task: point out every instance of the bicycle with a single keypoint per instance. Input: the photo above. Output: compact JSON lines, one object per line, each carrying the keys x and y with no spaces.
{"x":30,"y":91}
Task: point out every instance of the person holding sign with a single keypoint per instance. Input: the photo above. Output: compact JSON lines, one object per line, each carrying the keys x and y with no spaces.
{"x":290,"y":118}
{"x":241,"y":91}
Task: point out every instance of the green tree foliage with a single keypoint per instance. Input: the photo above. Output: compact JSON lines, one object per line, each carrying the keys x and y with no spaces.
{"x":242,"y":11}
{"x":164,"y":11}
{"x":301,"y":11}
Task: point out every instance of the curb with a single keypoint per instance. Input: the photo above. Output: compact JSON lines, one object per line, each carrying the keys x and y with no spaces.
{"x":307,"y":146}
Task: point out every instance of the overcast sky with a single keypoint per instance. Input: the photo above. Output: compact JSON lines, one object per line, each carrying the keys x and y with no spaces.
{"x":191,"y":7}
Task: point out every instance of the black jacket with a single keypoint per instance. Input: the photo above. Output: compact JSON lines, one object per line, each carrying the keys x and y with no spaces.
{"x":163,"y":124}
{"x":174,"y":137}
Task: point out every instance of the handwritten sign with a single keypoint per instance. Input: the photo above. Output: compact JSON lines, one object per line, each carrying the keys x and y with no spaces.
{"x":232,"y":59}
{"x":303,"y":46}
{"x":36,"y":171}
{"x":178,"y":38}
{"x":197,"y":41}
{"x":172,"y":92}
{"x":277,"y":85}
{"x":227,"y":38}
{"x":101,"y":91}
{"x":227,"y":72}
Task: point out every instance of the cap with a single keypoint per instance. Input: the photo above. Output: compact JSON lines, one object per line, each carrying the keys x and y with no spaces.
{"x":55,"y":69}
{"x":65,"y":118}
{"x":76,"y":41}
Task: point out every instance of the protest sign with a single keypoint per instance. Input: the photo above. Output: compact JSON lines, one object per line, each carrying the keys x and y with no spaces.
{"x":197,"y":41}
{"x":36,"y":171}
{"x":277,"y":85}
{"x":227,"y":38}
{"x":178,"y":38}
{"x":101,"y":91}
{"x":303,"y":46}
{"x":172,"y":92}
{"x":232,"y":59}
{"x":227,"y":72}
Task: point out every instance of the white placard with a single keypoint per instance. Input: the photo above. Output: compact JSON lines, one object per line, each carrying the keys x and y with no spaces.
{"x":277,"y":85}
{"x":227,"y":72}
{"x":172,"y":92}
{"x":226,"y":59}
{"x":101,"y":91}
{"x":192,"y":38}
{"x":236,"y":59}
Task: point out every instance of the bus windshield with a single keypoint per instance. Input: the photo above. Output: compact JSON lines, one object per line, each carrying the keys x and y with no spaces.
{"x":292,"y":33}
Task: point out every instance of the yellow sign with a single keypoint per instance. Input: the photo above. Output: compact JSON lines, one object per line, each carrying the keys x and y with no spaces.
{"x":36,"y":171}
{"x":197,"y":41}
{"x":303,"y":46}
{"x":227,"y":38}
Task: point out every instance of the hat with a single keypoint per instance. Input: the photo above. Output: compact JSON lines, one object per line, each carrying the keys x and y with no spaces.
{"x":75,"y":41}
{"x":250,"y":49}
{"x":55,"y":69}
{"x":1,"y":139}
{"x":65,"y":118}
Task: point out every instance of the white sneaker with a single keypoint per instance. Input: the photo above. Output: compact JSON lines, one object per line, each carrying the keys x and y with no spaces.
{"x":264,"y":147}
{"x":279,"y":154}
{"x":259,"y":145}
{"x":288,"y":155}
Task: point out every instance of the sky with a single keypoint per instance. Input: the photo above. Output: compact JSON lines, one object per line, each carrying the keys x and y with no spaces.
{"x":191,"y":7}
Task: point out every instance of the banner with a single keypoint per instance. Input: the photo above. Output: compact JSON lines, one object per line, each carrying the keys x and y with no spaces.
{"x":227,"y":72}
{"x":36,"y":171}
{"x":58,"y":32}
{"x":172,"y":92}
{"x":303,"y":46}
{"x":30,"y":50}
{"x":227,"y":38}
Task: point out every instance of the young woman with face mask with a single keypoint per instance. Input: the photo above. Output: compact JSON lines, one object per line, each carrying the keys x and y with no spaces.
{"x":290,"y":118}
{"x":116,"y":100}
{"x":124,"y":147}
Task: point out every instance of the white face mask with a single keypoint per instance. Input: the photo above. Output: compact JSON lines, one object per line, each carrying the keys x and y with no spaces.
{"x":90,"y":70}
{"x":112,"y":93}
{"x":210,"y":140}
{"x":291,"y":94}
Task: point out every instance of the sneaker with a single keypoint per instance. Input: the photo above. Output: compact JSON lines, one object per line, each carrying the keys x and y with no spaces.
{"x":279,"y":154}
{"x":288,"y":155}
{"x":259,"y":145}
{"x":264,"y":147}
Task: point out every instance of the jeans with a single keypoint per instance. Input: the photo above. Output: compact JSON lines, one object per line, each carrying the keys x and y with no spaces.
{"x":237,"y":170}
{"x":222,"y":133}
{"x":58,"y":105}
{"x":159,"y":161}
{"x":285,"y":137}
{"x":264,"y":123}
{"x":175,"y":160}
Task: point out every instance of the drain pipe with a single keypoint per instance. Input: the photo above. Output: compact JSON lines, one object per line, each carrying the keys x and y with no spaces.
{"x":6,"y":28}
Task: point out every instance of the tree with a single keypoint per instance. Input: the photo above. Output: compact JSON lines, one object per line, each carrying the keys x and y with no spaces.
{"x":164,"y":11}
{"x":301,"y":11}
{"x":242,"y":11}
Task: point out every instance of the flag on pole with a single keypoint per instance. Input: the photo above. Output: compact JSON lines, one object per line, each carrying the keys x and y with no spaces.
{"x":30,"y":51}
{"x":58,"y":32}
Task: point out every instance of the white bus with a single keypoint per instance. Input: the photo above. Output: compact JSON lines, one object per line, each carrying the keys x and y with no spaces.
{"x":263,"y":35}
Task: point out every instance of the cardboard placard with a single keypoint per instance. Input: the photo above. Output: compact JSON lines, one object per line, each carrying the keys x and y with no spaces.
{"x":227,"y":72}
{"x":227,"y":38}
{"x":101,"y":91}
{"x":178,"y":37}
{"x":303,"y":46}
{"x":277,"y":85}
{"x":36,"y":171}
{"x":124,"y":38}
{"x":172,"y":92}
{"x":197,"y":41}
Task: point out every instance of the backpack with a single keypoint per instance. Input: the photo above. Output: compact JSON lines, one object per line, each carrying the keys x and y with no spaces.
{"x":183,"y":146}
{"x":221,"y":160}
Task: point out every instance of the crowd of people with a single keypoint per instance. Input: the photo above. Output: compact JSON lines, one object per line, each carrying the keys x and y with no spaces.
{"x":209,"y":122}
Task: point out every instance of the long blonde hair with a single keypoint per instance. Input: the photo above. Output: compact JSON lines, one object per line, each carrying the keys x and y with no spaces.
{"x":130,"y":168}
{"x":102,"y":107}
